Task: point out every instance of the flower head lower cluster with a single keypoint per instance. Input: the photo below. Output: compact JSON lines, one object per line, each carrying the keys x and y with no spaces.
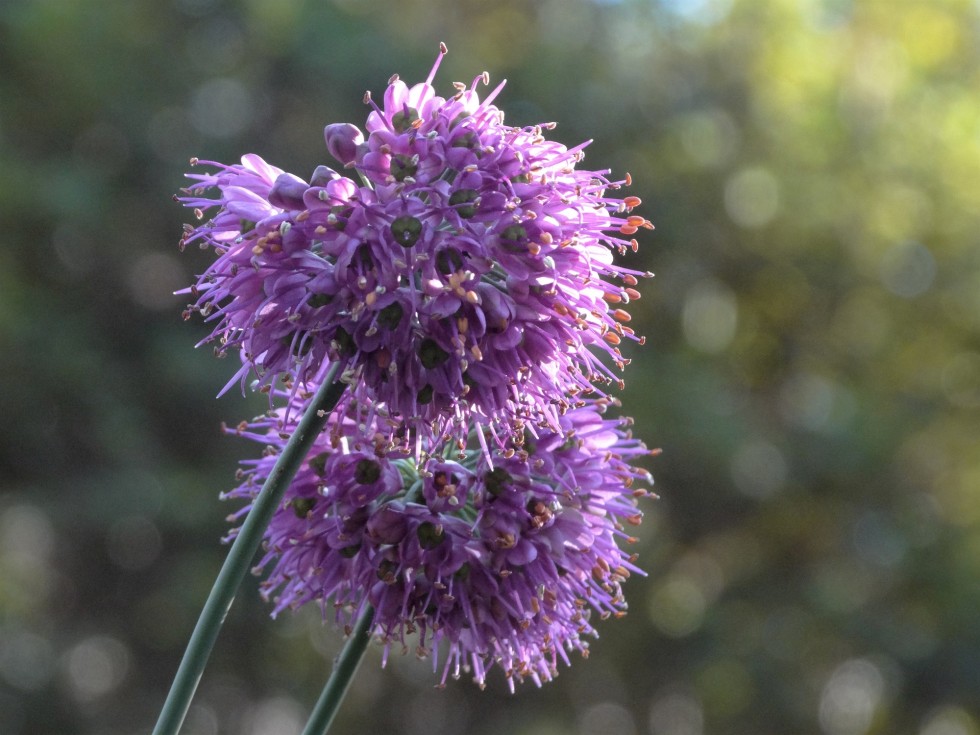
{"x":468,"y":487}
{"x":465,"y":276}
{"x":500,"y":559}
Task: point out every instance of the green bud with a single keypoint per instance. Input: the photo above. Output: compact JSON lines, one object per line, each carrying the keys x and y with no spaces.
{"x":349,"y":551}
{"x":431,"y":354}
{"x":387,"y":570}
{"x":404,"y":118}
{"x":319,"y":299}
{"x":514,"y":233}
{"x":363,"y":255}
{"x":319,"y":463}
{"x":391,"y":316}
{"x":302,"y":506}
{"x":449,"y":261}
{"x":403,"y":166}
{"x":464,"y":197}
{"x":367,"y":471}
{"x":496,"y":480}
{"x":529,"y":442}
{"x":430,"y":535}
{"x":406,"y":230}
{"x":468,"y":139}
{"x":345,"y":343}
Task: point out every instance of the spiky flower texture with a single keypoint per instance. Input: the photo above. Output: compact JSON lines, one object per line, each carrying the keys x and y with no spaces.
{"x":490,"y":559}
{"x":466,"y":278}
{"x":469,"y":486}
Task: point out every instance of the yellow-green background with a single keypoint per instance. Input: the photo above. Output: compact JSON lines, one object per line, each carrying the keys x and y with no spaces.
{"x":812,"y":369}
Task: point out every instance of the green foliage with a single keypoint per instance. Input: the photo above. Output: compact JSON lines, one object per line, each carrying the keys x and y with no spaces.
{"x":812,"y":369}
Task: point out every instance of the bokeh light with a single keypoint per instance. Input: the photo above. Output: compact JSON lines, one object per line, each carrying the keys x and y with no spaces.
{"x":812,"y":367}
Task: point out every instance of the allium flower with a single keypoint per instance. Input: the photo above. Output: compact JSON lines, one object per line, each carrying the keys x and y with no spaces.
{"x":502,"y":565}
{"x":464,"y":279}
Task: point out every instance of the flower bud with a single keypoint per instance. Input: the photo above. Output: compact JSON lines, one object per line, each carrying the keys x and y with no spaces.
{"x":323,"y":175}
{"x":287,"y":192}
{"x":342,"y":141}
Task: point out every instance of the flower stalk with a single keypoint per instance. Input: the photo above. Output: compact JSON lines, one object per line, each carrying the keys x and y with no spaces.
{"x":340,"y":678}
{"x":242,"y":552}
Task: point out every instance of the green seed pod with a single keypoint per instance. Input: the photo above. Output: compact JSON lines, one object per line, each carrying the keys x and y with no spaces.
{"x":431,"y":354}
{"x":465,"y":202}
{"x":430,"y":535}
{"x":302,"y":506}
{"x":406,"y":230}
{"x":367,"y":472}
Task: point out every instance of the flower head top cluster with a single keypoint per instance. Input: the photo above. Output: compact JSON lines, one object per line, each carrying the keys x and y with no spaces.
{"x":464,"y":276}
{"x":468,"y":487}
{"x":500,"y":560}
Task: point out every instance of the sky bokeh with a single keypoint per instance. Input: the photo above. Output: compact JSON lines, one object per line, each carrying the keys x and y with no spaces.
{"x":811,"y":370}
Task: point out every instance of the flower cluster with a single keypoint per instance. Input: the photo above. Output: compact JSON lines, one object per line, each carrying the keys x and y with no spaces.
{"x":466,"y":277}
{"x":468,"y":487}
{"x":499,"y":559}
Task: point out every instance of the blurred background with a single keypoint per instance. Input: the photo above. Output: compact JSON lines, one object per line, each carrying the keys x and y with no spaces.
{"x":812,"y":369}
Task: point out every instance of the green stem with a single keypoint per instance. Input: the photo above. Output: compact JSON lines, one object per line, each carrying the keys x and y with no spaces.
{"x":349,"y":659}
{"x":342,"y":675}
{"x":241,"y":554}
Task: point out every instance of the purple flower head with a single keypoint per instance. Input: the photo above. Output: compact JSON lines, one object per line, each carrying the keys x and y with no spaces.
{"x":465,"y":279}
{"x":503,"y":559}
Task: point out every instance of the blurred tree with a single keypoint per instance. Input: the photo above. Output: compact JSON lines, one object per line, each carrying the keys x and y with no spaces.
{"x":812,"y":369}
